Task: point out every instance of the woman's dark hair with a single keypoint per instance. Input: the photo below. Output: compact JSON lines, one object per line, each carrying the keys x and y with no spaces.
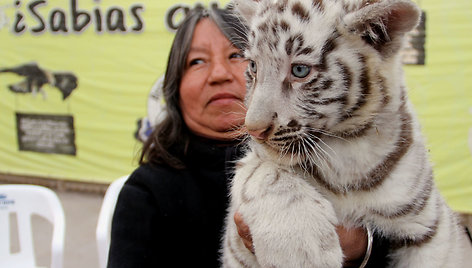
{"x":172,"y":131}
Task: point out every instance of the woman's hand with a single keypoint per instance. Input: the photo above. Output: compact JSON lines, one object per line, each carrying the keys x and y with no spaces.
{"x":354,"y":244}
{"x":243,"y":231}
{"x":353,"y":241}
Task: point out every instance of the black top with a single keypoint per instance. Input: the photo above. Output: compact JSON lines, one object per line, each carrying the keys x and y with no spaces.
{"x":174,"y":218}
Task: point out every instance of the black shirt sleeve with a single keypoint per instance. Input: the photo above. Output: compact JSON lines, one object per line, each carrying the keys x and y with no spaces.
{"x":167,"y":218}
{"x":135,"y":228}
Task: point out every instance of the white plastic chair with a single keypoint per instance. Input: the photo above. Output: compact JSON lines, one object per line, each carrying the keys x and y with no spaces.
{"x":105,"y":218}
{"x":26,"y":200}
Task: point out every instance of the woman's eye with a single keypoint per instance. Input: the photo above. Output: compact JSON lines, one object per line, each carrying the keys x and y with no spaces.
{"x":300,"y":70}
{"x":236,"y":56}
{"x":195,"y":62}
{"x":253,"y":66}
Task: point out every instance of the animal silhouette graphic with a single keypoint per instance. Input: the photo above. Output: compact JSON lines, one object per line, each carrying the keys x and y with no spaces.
{"x":36,"y":77}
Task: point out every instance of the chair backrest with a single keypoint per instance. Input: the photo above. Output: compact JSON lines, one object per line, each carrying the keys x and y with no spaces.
{"x":24,"y":201}
{"x":105,"y":218}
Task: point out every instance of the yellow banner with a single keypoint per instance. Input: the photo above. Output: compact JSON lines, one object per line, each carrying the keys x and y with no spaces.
{"x":75,"y":78}
{"x":74,"y":81}
{"x":442,"y":93}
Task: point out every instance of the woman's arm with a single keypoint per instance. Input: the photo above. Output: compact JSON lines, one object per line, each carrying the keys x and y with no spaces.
{"x":134,"y":228}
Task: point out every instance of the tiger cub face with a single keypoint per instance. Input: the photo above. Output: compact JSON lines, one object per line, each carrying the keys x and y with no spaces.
{"x":321,"y":70}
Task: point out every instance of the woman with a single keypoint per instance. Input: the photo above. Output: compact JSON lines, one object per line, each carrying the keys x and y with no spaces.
{"x":171,"y":211}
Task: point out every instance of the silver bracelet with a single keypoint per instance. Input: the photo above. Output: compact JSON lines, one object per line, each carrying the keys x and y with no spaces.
{"x":369,"y":248}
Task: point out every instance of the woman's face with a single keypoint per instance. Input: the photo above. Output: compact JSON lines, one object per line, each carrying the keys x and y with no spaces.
{"x":213,"y":85}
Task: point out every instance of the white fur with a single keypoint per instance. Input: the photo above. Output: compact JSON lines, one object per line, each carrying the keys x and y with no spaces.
{"x":291,"y":215}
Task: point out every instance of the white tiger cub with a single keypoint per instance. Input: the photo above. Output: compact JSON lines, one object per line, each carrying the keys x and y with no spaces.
{"x":334,"y":139}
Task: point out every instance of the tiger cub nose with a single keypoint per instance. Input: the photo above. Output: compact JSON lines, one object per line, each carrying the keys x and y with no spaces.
{"x":261,"y":135}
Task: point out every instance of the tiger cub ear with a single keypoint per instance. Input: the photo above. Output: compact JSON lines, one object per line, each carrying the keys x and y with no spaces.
{"x":247,"y":8}
{"x":383,"y":23}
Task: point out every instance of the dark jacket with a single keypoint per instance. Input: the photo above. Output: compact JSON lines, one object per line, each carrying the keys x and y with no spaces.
{"x":174,"y":218}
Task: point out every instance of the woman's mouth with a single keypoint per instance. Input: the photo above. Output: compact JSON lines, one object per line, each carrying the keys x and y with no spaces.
{"x":224,"y":99}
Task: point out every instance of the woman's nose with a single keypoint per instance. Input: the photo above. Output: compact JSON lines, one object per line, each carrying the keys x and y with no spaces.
{"x":220,"y":72}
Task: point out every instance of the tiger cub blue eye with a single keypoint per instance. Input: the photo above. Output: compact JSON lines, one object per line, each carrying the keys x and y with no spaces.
{"x":253,"y":66}
{"x":300,"y":70}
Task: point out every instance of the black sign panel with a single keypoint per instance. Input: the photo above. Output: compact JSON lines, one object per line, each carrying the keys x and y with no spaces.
{"x":52,"y":134}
